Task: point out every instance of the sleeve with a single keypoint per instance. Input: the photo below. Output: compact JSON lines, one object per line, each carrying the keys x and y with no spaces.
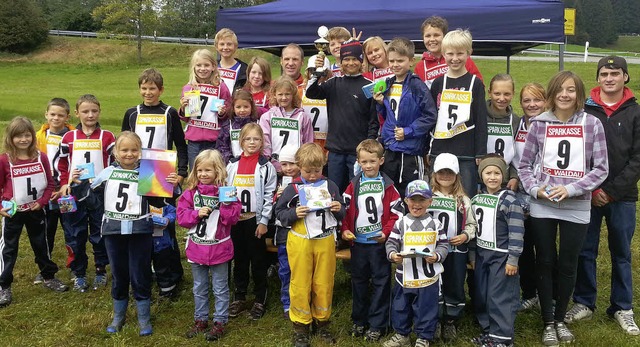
{"x":395,"y":209}
{"x":169,"y":212}
{"x":394,"y":241}
{"x":599,"y":162}
{"x":187,"y":215}
{"x":630,"y":174}
{"x":223,"y":144}
{"x":480,"y":115}
{"x":285,"y":213}
{"x":230,"y":213}
{"x":61,"y":161}
{"x":423,"y":124}
{"x":3,"y":173}
{"x":307,"y":128}
{"x":349,"y":217}
{"x":473,"y":69}
{"x":51,"y":184}
{"x":109,"y":142}
{"x":442,"y":245}
{"x":515,"y":222}
{"x":265,"y":124}
{"x":126,"y":121}
{"x":436,"y":90}
{"x":419,"y":70}
{"x":470,"y":223}
{"x":178,"y":140}
{"x":315,"y":90}
{"x":374,"y":123}
{"x":335,"y":196}
{"x":225,"y":95}
{"x":269,"y":188}
{"x":181,"y":113}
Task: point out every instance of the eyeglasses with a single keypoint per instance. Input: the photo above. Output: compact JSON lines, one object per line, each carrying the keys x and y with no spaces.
{"x":252,"y":139}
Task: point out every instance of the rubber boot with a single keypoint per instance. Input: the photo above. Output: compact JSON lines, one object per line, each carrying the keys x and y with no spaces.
{"x":144,"y":317}
{"x":301,"y":335}
{"x":323,"y":331}
{"x":119,"y":315}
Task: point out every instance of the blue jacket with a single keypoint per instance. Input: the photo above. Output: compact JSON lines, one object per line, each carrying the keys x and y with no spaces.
{"x":417,"y":116}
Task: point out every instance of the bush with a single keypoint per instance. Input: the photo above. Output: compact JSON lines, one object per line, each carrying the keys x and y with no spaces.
{"x":23,"y":28}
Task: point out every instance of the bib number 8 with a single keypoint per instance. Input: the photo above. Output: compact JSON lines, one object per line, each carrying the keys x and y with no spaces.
{"x":499,"y":147}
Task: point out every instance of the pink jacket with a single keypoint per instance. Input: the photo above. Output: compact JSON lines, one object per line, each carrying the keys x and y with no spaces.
{"x":188,"y":217}
{"x":306,"y":129}
{"x":192,"y":133}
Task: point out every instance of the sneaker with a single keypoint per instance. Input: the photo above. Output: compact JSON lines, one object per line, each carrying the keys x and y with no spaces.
{"x":564,"y":334}
{"x":493,"y":343}
{"x":5,"y":297}
{"x":272,"y":271}
{"x":549,"y":335}
{"x":257,"y":311}
{"x":301,"y":340}
{"x":421,"y":343}
{"x":437,"y":334}
{"x":449,"y":331}
{"x":215,"y":333}
{"x":527,"y":304}
{"x":626,"y":321}
{"x":80,"y":284}
{"x":397,"y":340}
{"x":168,"y":294}
{"x":56,"y":285}
{"x":199,"y":327}
{"x":237,"y":307}
{"x":480,"y":340}
{"x":100,"y":281}
{"x":357,"y":330}
{"x":38,"y":279}
{"x":577,"y":312}
{"x":325,"y":335}
{"x":372,"y":336}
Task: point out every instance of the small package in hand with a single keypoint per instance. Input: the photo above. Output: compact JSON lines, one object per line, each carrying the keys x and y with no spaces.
{"x":193,"y":107}
{"x":67,"y":204}
{"x":87,"y":171}
{"x":160,"y":221}
{"x":11,"y":205}
{"x":216,"y":104}
{"x":228,"y":194}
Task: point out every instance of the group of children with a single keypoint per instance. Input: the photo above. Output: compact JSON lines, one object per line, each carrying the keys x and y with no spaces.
{"x":258,"y":136}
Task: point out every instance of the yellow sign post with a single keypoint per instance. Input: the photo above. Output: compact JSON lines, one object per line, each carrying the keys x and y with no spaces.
{"x":569,"y":21}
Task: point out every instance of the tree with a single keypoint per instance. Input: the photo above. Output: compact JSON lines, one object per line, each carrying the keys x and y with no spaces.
{"x":23,"y":28}
{"x":595,"y":23}
{"x":70,"y":14}
{"x":626,"y":16}
{"x":126,"y":17}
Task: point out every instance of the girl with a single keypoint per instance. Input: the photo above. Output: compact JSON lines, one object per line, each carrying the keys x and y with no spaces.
{"x":564,"y":160}
{"x":243,"y":111}
{"x":375,"y":58}
{"x":127,"y":229}
{"x":259,"y":73}
{"x":502,"y":123}
{"x":208,"y":249}
{"x":255,"y":180}
{"x":26,"y":181}
{"x":202,"y":132}
{"x":532,"y":100}
{"x":452,"y":207}
{"x":286,"y":122}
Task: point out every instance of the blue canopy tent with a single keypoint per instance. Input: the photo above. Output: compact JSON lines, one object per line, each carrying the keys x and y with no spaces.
{"x":499,"y":27}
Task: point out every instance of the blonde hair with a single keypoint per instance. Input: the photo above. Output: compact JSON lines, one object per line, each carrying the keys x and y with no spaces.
{"x":534,"y":88}
{"x":126,"y":135}
{"x":459,"y":38}
{"x":242,"y":94}
{"x":555,"y":86}
{"x":225,"y":33}
{"x":371,"y":41}
{"x":402,"y":46}
{"x":457,"y":190}
{"x":219,"y":169}
{"x":338,"y":33}
{"x":208,"y":55}
{"x":246,"y":129}
{"x":285,"y":82}
{"x":18,"y":126}
{"x":310,"y":155}
{"x":266,"y":72}
{"x":370,"y":146}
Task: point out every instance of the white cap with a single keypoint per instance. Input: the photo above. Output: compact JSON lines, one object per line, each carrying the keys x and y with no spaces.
{"x":288,"y":154}
{"x":312,"y":62}
{"x":446,"y":161}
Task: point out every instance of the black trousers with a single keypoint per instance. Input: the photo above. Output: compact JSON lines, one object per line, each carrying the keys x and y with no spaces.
{"x":249,"y":261}
{"x":130,"y":260}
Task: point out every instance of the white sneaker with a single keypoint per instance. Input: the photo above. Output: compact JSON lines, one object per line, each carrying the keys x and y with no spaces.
{"x":526,"y":304}
{"x":626,"y":321}
{"x":398,"y":340}
{"x":577,"y":312}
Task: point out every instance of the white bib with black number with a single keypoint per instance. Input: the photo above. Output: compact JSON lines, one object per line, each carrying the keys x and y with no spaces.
{"x":454,"y":111}
{"x":500,"y":140}
{"x":53,"y":143}
{"x":234,"y":136}
{"x":445,"y":210}
{"x":284,"y":131}
{"x":320,"y":221}
{"x":485,"y":206}
{"x":122,"y":201}
{"x":205,"y":231}
{"x":29,"y":182}
{"x":208,"y":119}
{"x":417,"y":272}
{"x":87,"y":151}
{"x":394,"y":98}
{"x":563,"y":150}
{"x":521,"y":136}
{"x":317,"y":109}
{"x":229,"y":77}
{"x":370,"y":194}
{"x":246,"y":190}
{"x":152,"y":129}
{"x":380,"y":74}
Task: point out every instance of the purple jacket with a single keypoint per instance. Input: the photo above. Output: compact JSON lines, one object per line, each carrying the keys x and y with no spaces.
{"x":188,"y":217}
{"x":579,"y":189}
{"x":224,"y":138}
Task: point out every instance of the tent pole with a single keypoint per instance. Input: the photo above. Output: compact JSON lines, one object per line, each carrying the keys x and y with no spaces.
{"x":508,"y":64}
{"x":561,"y":54}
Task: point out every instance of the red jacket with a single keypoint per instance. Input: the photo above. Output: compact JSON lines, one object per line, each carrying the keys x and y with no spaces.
{"x":429,"y":68}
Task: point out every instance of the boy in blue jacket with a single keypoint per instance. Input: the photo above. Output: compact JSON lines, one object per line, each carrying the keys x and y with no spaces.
{"x":409,"y":113}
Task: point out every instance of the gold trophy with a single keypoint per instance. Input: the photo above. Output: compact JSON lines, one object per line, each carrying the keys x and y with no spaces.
{"x":321,"y":44}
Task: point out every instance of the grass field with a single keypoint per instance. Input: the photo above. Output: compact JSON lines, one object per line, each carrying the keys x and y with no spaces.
{"x":39,"y":317}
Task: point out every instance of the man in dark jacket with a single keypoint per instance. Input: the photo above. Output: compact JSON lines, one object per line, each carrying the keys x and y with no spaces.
{"x":615,"y":200}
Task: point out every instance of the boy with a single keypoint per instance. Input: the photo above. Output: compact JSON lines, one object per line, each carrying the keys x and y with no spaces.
{"x":418,"y":244}
{"x":499,"y":245}
{"x":310,"y":244}
{"x":351,"y":116}
{"x":87,"y":144}
{"x":373,"y":206}
{"x":232,"y":71}
{"x":159,"y":127}
{"x":461,"y":125}
{"x":433,"y":65}
{"x":409,"y":114}
{"x":336,"y":36}
{"x":48,"y":140}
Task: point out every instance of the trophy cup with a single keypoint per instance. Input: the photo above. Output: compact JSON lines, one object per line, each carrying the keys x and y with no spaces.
{"x":321,"y":44}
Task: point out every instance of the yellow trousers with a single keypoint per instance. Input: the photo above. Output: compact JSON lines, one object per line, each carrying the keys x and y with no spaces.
{"x":313,"y":268}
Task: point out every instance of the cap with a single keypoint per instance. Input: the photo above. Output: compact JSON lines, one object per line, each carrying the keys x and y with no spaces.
{"x":312,"y":63}
{"x":493,"y":161}
{"x":288,"y":154}
{"x":419,"y":188}
{"x":446,"y":161}
{"x":351,"y":49}
{"x":613,"y":62}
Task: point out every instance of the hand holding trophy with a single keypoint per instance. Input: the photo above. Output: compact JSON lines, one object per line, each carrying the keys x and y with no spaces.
{"x":321,"y":44}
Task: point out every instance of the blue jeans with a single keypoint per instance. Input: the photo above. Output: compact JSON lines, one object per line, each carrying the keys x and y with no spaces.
{"x":80,"y":226}
{"x":130,"y":258}
{"x":220,"y":282}
{"x":417,"y":307}
{"x":620,"y":217}
{"x":284,"y":272}
{"x":340,"y":169}
{"x":195,"y":147}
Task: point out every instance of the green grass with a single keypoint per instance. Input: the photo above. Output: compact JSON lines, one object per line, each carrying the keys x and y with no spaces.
{"x":72,"y":67}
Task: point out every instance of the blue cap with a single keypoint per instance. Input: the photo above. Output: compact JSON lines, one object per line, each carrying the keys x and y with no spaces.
{"x":419,"y":187}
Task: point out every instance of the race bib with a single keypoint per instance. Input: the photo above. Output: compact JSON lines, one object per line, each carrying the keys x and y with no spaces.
{"x":208,"y":118}
{"x":369,"y":220}
{"x":394,"y":98}
{"x":284,"y":131}
{"x":122,"y":201}
{"x":417,"y":272}
{"x":204,"y":233}
{"x":152,"y":129}
{"x":317,"y":109}
{"x":53,"y":143}
{"x":246,"y":190}
{"x":563,"y":151}
{"x":234,"y":135}
{"x":88,"y":151}
{"x":454,"y":111}
{"x":500,"y":140}
{"x":29,"y":183}
{"x":485,"y":207}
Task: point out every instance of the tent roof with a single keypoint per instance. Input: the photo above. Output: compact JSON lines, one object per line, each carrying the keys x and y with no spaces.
{"x":499,"y":27}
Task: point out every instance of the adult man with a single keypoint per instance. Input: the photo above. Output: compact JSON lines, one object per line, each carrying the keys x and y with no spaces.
{"x":615,"y":200}
{"x":291,"y":63}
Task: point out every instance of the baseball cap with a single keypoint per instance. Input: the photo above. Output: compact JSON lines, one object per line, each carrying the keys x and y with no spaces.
{"x":311,"y":64}
{"x":288,"y":154}
{"x":446,"y":161}
{"x":419,"y":188}
{"x":613,"y":62}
